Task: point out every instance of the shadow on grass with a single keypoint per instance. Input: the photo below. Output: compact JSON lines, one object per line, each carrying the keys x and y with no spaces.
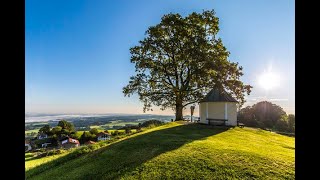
{"x":113,"y":161}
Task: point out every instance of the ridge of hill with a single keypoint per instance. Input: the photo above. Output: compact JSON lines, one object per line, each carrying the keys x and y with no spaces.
{"x":183,"y":151}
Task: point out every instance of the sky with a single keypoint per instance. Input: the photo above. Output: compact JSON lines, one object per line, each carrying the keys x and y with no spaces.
{"x":77,"y":51}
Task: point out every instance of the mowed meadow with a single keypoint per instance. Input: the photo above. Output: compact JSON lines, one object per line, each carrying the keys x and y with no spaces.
{"x":179,"y":151}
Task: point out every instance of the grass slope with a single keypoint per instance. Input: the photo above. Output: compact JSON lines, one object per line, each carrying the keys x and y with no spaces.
{"x":31,"y":162}
{"x":176,"y":151}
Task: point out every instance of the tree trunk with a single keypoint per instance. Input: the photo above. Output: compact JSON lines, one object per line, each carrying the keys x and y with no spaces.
{"x":179,"y":108}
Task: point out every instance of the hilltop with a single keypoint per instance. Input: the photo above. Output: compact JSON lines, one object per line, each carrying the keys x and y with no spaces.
{"x":177,"y":151}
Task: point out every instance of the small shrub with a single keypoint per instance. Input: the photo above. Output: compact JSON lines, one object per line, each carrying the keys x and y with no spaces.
{"x":127,"y":130}
{"x":152,"y":123}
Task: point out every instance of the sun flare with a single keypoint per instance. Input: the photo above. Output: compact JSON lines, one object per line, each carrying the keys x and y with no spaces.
{"x":269,"y":80}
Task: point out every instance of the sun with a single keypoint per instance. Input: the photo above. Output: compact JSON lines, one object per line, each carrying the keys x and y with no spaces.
{"x":269,"y":80}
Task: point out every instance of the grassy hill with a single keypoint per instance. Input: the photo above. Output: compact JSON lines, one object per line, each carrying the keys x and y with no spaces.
{"x":176,"y":151}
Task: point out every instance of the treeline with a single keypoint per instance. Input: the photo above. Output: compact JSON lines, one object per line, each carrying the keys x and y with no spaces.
{"x":67,"y":129}
{"x":146,"y":124}
{"x":267,"y":116}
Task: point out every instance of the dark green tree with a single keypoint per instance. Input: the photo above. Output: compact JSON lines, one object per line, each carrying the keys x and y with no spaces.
{"x":115,"y":133}
{"x":45,"y":129}
{"x":56,"y":130}
{"x":94,"y":131}
{"x":180,"y":60}
{"x":264,"y":114}
{"x":291,"y":122}
{"x":282,"y":124}
{"x":66,"y":125}
{"x":127,"y":130}
{"x":267,"y":113}
{"x":86,"y":136}
{"x":246,"y":116}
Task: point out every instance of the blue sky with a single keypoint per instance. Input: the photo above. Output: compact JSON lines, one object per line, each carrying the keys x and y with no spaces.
{"x":77,"y":51}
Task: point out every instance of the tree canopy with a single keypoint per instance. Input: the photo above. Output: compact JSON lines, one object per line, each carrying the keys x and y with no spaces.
{"x":265,"y":114}
{"x":94,"y":131}
{"x":45,"y":129}
{"x":180,"y":60}
{"x":66,"y":126}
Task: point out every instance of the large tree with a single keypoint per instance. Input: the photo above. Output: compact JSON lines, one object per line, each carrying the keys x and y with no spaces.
{"x":268,"y":113}
{"x":180,"y":60}
{"x":66,"y":126}
{"x":45,"y":129}
{"x":264,"y":114}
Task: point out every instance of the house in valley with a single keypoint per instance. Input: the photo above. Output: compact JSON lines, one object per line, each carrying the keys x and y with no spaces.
{"x":102,"y":136}
{"x":68,"y":143}
{"x":27,"y":145}
{"x":45,"y":145}
{"x":218,"y":108}
{"x":42,"y":136}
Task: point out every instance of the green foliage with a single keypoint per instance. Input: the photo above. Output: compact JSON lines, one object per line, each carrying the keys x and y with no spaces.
{"x":65,"y":156}
{"x":180,"y":60}
{"x":66,"y":126}
{"x":52,"y":152}
{"x":281,"y":125}
{"x":45,"y":129}
{"x":264,"y":115}
{"x":127,"y":130}
{"x":150,"y":123}
{"x":56,"y":130}
{"x":175,"y":151}
{"x":115,"y":133}
{"x":76,"y":135}
{"x":291,"y":122}
{"x":87,"y":136}
{"x":94,"y":131}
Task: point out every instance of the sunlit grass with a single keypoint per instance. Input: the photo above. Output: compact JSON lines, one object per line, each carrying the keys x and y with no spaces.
{"x":32,"y":162}
{"x":176,"y":151}
{"x":30,"y":131}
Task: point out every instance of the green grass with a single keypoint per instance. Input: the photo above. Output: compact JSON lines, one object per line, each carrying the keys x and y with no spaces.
{"x":175,"y":151}
{"x":30,"y":131}
{"x":31,"y":162}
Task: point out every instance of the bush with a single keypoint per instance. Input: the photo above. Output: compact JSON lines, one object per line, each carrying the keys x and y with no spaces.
{"x":139,"y":129}
{"x":281,"y":125}
{"x":127,"y":130}
{"x":152,"y":123}
{"x":115,"y":133}
{"x":94,"y":131}
{"x":51,"y":152}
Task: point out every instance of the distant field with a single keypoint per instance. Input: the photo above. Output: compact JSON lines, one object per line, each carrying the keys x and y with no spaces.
{"x":108,"y":126}
{"x":110,"y":131}
{"x":114,"y":123}
{"x":175,"y":151}
{"x":30,"y":131}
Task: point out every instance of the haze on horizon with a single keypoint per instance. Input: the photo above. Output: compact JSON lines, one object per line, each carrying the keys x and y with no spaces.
{"x":78,"y":60}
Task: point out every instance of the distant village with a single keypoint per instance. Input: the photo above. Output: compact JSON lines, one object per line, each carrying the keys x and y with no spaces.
{"x":65,"y":136}
{"x":44,"y":141}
